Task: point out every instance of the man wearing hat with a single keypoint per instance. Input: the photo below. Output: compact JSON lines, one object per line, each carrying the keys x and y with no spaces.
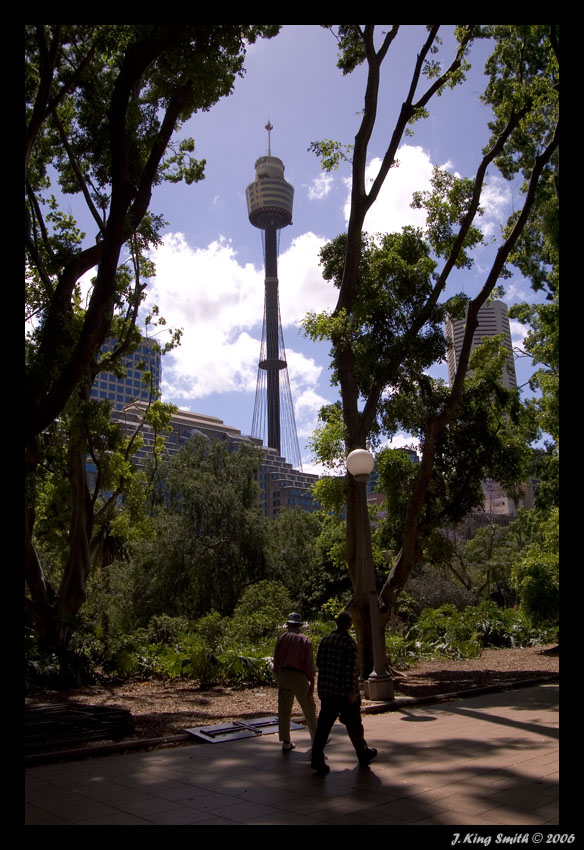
{"x":294,"y":667}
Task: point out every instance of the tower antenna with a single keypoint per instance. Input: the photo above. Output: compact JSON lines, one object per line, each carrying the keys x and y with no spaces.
{"x":269,"y":128}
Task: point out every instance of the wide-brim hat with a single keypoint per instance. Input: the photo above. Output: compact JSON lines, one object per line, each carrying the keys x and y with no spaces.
{"x":294,"y":620}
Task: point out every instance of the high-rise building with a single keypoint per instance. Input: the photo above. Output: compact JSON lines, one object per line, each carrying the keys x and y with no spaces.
{"x":143,"y":362}
{"x":281,"y":486}
{"x":269,"y":202}
{"x":493,"y":319}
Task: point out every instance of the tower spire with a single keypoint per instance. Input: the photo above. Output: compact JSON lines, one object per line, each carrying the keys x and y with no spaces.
{"x":269,"y":128}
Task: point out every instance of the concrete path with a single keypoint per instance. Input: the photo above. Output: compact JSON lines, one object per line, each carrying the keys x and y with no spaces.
{"x":485,"y":760}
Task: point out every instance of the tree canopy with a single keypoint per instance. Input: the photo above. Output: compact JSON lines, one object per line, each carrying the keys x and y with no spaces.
{"x":103,"y":105}
{"x":522,"y":91}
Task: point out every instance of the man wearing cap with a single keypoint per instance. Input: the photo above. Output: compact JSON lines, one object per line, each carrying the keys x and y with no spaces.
{"x":294,"y":667}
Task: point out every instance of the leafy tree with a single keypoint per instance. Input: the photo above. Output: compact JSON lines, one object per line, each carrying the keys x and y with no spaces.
{"x":290,"y":548}
{"x":535,"y":573}
{"x":102,"y":105}
{"x":209,"y":534}
{"x":522,"y":91}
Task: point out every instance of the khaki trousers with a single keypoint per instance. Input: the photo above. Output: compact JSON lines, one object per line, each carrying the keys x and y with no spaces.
{"x":293,"y":683}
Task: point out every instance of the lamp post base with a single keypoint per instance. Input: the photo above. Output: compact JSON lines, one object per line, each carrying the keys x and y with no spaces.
{"x":379,"y":689}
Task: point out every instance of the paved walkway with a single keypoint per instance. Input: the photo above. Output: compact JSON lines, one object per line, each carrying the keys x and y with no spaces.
{"x":485,"y":760}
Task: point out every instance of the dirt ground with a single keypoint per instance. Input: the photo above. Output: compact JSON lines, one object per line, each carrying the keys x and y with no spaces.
{"x":162,"y":709}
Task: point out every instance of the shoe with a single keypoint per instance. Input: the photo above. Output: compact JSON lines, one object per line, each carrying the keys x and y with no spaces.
{"x":320,"y":769}
{"x":286,"y":747}
{"x":367,"y":757}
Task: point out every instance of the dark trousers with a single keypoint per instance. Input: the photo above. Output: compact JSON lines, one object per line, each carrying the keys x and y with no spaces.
{"x":349,"y":713}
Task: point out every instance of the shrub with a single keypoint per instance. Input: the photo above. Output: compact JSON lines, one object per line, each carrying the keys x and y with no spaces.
{"x":463,"y":634}
{"x":429,"y":589}
{"x":246,"y":670}
{"x":333,"y":606}
{"x":536,"y":580}
{"x":402,"y":652}
{"x":260,"y":612}
{"x":263,"y":596}
{"x":165,"y":629}
{"x":212,"y":629}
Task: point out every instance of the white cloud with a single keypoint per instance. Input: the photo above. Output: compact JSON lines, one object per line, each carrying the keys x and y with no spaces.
{"x":402,"y":440}
{"x":306,"y":409}
{"x":392,"y":210}
{"x":219,"y":305}
{"x":496,"y":202}
{"x":320,"y":187}
{"x":302,"y":288}
{"x":518,"y":333}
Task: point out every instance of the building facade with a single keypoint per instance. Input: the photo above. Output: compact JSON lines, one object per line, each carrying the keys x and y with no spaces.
{"x":281,"y":486}
{"x":493,"y":319}
{"x":141,"y":382}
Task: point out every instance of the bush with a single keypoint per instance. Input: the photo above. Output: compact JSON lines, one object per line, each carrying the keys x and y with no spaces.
{"x":536,"y":580}
{"x":260,"y":612}
{"x":402,"y":652}
{"x":246,"y":670}
{"x":212,"y":629}
{"x":262,"y":597}
{"x":165,"y":629}
{"x":333,"y":606}
{"x":429,"y":589}
{"x":463,"y":634}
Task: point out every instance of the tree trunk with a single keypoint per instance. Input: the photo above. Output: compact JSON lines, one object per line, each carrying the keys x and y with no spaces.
{"x":54,"y":613}
{"x":362,"y":575}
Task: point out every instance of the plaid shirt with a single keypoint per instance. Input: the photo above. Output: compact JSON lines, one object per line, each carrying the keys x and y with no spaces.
{"x":336,"y":660}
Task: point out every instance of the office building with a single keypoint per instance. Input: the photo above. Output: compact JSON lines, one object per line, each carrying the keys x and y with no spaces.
{"x":144,"y":363}
{"x":493,"y":320}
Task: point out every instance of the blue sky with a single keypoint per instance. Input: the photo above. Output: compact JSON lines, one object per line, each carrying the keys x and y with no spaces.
{"x":209,"y":276}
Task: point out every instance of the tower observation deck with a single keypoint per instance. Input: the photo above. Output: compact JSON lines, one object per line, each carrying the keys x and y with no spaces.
{"x":269,"y":202}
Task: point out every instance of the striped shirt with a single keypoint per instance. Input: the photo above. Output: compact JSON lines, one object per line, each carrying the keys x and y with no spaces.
{"x":336,"y":660}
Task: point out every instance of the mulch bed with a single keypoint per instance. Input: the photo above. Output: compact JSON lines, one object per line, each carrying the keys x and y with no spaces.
{"x":102,"y":718}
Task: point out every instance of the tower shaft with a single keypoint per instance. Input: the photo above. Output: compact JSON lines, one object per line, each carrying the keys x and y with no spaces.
{"x":272,"y":363}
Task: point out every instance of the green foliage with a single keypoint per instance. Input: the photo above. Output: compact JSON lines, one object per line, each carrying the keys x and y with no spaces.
{"x":535,"y":573}
{"x":165,"y":629}
{"x":488,"y":438}
{"x":536,"y":579}
{"x":327,"y":575}
{"x":328,"y":443}
{"x":523,"y":71}
{"x":102,"y":104}
{"x":331,"y":153}
{"x":463,"y":634}
{"x":209,"y":535}
{"x":542,"y":345}
{"x":260,"y":612}
{"x":446,"y":205}
{"x":333,"y":607}
{"x":394,"y":282}
{"x":212,"y":629}
{"x":290,"y":547}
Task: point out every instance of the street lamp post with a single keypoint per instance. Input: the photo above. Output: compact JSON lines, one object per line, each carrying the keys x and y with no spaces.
{"x":360,"y":464}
